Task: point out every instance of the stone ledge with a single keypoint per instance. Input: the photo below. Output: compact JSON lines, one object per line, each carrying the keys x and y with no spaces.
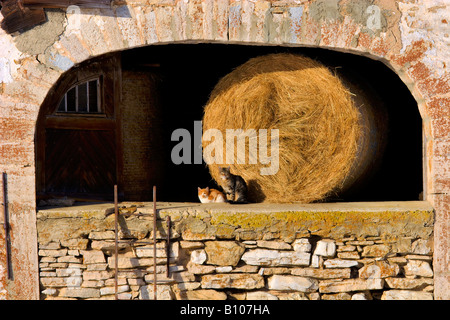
{"x":197,"y":222}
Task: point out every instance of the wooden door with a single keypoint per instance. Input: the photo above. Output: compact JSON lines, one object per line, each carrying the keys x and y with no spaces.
{"x":80,"y":163}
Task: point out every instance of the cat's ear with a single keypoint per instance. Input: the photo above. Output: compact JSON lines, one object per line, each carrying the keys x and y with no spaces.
{"x":199,"y":188}
{"x":207,"y":189}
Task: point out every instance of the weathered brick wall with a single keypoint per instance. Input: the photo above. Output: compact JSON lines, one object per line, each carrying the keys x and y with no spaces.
{"x":323,"y":252}
{"x":141,"y":135}
{"x":411,"y":37}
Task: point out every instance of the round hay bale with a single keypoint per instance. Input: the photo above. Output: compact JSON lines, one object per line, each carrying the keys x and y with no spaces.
{"x":317,"y":122}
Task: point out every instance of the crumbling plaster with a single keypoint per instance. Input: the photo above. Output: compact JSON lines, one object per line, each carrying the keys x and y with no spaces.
{"x":38,"y":39}
{"x":411,"y":37}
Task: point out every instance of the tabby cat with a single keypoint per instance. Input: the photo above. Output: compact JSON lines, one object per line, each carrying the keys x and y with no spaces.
{"x":234,"y":186}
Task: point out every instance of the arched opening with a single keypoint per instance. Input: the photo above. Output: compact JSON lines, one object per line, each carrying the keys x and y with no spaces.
{"x":155,"y":90}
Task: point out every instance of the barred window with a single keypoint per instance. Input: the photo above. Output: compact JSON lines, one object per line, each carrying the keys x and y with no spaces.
{"x":82,"y":98}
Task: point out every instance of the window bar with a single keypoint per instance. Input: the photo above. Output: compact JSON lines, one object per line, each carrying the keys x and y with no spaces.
{"x":87,"y":95}
{"x":99,"y":99}
{"x":76,"y":98}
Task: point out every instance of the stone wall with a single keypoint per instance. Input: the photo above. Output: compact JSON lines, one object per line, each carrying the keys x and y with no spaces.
{"x":320,"y":251}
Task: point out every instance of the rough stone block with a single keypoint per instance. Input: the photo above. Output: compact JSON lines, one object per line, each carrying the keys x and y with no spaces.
{"x":93,"y":256}
{"x":124,"y":296}
{"x":164,"y":23}
{"x":47,"y":274}
{"x":410,"y":284}
{"x":418,"y":268}
{"x":128,"y":27}
{"x":264,"y":257}
{"x":147,"y":22}
{"x":302,"y":245}
{"x":338,"y":263}
{"x":163,"y":292}
{"x":225,"y":269}
{"x":69,"y":272}
{"x":127,"y":262}
{"x":53,"y":282}
{"x":325,"y":248}
{"x":53,"y":253}
{"x":80,"y":293}
{"x":161,"y":250}
{"x":379,"y":269}
{"x":322,"y":273}
{"x":336,"y":296}
{"x":173,"y":278}
{"x":111,"y":290}
{"x":198,"y":256}
{"x":261,"y":295}
{"x":106,"y":245}
{"x":346,"y":248}
{"x":97,"y":275}
{"x":97,"y":267}
{"x":93,"y":284}
{"x":71,"y":43}
{"x":79,"y":243}
{"x":361,"y":296}
{"x":233,"y":280}
{"x":49,"y":292}
{"x":50,"y":246}
{"x":74,"y":281}
{"x":107,"y":23}
{"x":102,"y":235}
{"x":69,"y":259}
{"x":206,"y":294}
{"x":292,"y":283}
{"x":73,"y":252}
{"x":406,"y":295}
{"x":191,"y":244}
{"x":276,"y":245}
{"x":350,"y":285}
{"x":378,"y":250}
{"x":224,"y":253}
{"x":421,"y":246}
{"x":352,"y":255}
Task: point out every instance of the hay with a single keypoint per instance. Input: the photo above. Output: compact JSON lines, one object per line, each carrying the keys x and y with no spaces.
{"x":315,"y":115}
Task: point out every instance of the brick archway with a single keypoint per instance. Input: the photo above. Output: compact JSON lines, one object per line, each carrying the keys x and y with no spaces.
{"x":406,"y":37}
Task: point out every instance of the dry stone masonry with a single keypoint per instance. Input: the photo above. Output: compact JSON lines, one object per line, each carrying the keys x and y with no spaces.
{"x":253,"y":255}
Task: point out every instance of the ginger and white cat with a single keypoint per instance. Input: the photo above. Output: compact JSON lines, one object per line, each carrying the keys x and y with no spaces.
{"x":208,"y":195}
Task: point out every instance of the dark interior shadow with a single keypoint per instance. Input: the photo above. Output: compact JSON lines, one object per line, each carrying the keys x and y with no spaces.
{"x":255,"y":193}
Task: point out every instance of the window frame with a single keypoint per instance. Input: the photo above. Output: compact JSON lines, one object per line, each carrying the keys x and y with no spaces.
{"x":100,"y":109}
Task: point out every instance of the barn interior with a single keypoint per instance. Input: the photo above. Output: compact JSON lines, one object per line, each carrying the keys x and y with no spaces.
{"x":148,"y":92}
